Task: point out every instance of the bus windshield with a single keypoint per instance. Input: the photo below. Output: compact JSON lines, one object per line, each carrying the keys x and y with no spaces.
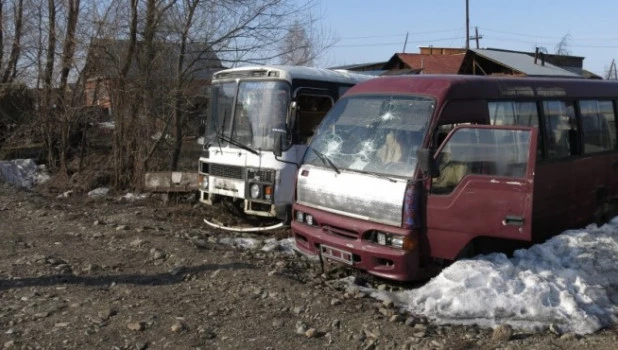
{"x":259,"y":107}
{"x":375,"y":134}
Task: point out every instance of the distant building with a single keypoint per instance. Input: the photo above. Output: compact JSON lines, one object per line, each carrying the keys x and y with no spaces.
{"x":445,"y":60}
{"x":104,"y":62}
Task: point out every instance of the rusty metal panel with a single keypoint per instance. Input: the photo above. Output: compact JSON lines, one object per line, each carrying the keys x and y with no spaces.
{"x":170,"y":181}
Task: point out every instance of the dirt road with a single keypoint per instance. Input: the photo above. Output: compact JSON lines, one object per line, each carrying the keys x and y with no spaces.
{"x":80,"y":273}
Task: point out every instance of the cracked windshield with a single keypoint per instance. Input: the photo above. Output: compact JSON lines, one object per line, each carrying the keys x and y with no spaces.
{"x":376,"y":134}
{"x":260,"y":112}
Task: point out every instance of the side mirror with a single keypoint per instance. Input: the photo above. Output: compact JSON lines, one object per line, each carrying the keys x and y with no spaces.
{"x":277,"y":147}
{"x":427,"y":162}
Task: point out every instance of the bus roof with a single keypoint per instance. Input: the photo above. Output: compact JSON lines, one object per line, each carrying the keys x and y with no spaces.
{"x":487,"y":87}
{"x":293,"y":72}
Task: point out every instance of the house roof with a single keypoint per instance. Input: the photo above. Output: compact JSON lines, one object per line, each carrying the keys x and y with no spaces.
{"x":428,"y":64}
{"x":524,"y":63}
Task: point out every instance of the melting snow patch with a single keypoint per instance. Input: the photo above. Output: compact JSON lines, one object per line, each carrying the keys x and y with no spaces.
{"x":134,"y":196}
{"x":246,"y":243}
{"x":22,"y":173}
{"x":98,"y":192}
{"x":284,"y":245}
{"x":568,"y":283}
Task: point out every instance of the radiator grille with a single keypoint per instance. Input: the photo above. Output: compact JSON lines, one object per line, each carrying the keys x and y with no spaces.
{"x":337,"y":231}
{"x":228,"y":171}
{"x":263,"y":175}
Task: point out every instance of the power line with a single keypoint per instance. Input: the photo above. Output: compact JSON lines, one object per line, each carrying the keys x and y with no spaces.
{"x":400,"y":35}
{"x":399,"y":43}
{"x":548,"y":37}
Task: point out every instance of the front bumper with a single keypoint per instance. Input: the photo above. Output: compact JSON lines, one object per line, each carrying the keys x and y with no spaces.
{"x":378,"y":260}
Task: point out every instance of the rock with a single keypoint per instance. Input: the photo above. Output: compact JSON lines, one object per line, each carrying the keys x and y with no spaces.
{"x":298,"y":310}
{"x":396,"y":319}
{"x":569,"y":336}
{"x":157,"y":254}
{"x":370,"y":346}
{"x":388,"y":304}
{"x":335,"y":301}
{"x":502,"y":333}
{"x":106,"y":314}
{"x":386,"y":312}
{"x":336,"y":324}
{"x":311,"y":333}
{"x":137,"y":326}
{"x":277,"y":323}
{"x":178,"y":326}
{"x":177,"y":270}
{"x":141,"y":346}
{"x":122,"y":228}
{"x":301,"y":327}
{"x":555,"y":329}
{"x":138,"y":242}
{"x":420,"y":330}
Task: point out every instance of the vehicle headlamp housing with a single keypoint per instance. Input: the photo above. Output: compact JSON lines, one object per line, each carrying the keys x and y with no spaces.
{"x":391,"y":240}
{"x":255,"y":191}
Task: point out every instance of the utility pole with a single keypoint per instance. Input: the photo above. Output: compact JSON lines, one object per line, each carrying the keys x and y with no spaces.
{"x":467,"y":27}
{"x":405,"y":42}
{"x":476,"y":36}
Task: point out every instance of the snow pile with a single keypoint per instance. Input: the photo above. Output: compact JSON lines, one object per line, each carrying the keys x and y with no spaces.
{"x":23,"y":173}
{"x":267,"y":245}
{"x":98,"y":192}
{"x":568,"y":282}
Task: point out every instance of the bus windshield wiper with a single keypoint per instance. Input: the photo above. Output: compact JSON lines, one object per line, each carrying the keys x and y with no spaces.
{"x":325,"y":160}
{"x":236,"y":143}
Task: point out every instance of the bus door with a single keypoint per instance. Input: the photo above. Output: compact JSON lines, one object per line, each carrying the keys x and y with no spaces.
{"x":484,"y":189}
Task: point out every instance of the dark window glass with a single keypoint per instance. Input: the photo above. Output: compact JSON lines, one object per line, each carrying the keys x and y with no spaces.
{"x":598,"y":125}
{"x":561,"y":129}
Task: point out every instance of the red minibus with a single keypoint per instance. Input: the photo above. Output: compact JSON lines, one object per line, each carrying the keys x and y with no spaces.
{"x":407,"y":173}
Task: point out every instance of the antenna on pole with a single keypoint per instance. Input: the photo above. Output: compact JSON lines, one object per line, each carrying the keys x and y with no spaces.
{"x":467,"y":27}
{"x":612,"y":74}
{"x":405,"y":42}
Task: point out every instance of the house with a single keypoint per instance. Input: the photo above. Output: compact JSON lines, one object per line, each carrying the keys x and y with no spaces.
{"x":442,"y":60}
{"x":104,"y":64}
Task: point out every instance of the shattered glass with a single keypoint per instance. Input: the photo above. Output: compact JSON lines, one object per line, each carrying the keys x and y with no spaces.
{"x":259,"y":112}
{"x":376,"y":134}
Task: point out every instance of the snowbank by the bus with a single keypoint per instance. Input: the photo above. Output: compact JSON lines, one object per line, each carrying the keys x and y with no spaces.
{"x":569,"y":282}
{"x":23,"y":173}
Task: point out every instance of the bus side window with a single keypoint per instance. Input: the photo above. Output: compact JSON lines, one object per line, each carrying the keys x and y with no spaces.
{"x":311,"y":111}
{"x":512,"y":113}
{"x":561,"y":129}
{"x":455,"y":161}
{"x":598,"y":120}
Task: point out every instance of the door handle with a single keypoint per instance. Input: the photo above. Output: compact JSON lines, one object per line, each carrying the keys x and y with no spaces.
{"x":513,"y":220}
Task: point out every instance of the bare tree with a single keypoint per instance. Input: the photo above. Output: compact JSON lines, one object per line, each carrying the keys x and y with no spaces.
{"x":10,"y":69}
{"x":562,"y":48}
{"x":153,"y":59}
{"x":297,"y":47}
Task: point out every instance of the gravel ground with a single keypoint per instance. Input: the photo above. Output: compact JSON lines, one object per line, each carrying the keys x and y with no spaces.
{"x":83,"y":273}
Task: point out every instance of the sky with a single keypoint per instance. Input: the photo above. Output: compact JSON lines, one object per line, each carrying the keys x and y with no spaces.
{"x":372,"y":31}
{"x":568,"y":282}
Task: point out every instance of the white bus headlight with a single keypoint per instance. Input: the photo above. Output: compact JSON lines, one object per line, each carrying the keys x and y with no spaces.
{"x":255,"y":191}
{"x":202,"y":181}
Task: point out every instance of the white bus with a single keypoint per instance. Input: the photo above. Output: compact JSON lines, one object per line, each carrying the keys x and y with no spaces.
{"x":259,"y":123}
